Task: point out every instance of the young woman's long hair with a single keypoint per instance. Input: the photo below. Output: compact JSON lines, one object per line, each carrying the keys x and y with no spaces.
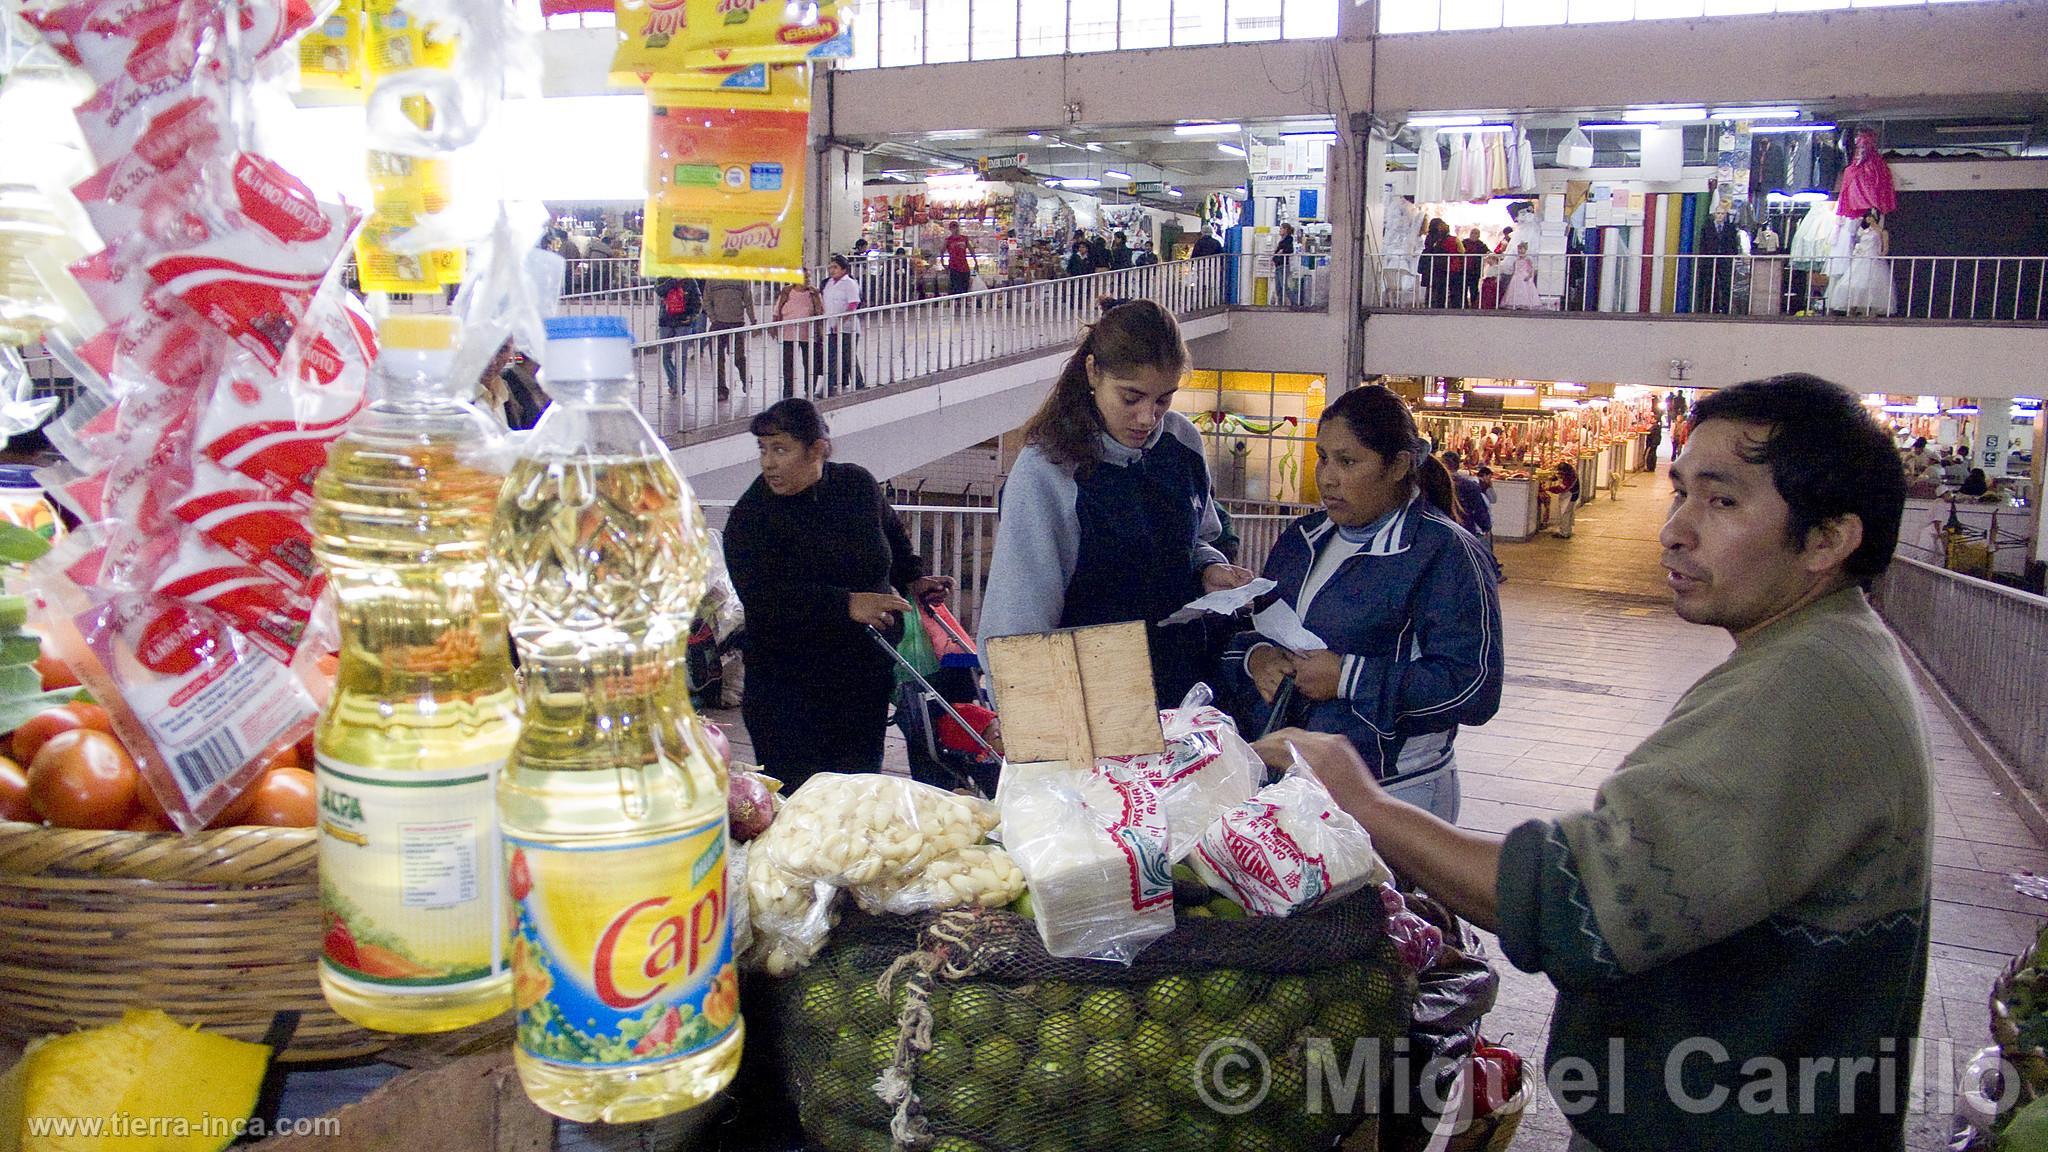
{"x":1132,"y":335}
{"x":1381,"y":421}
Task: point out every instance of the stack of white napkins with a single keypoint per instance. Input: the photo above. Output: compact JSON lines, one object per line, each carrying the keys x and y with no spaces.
{"x":1093,"y":844}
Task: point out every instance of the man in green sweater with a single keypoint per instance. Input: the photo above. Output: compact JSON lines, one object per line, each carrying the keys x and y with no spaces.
{"x":1738,"y":928}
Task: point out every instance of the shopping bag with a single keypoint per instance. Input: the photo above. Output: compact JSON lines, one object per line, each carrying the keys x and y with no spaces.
{"x":916,"y":650}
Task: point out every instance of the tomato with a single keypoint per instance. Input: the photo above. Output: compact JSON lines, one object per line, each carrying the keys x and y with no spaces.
{"x":282,"y":798}
{"x":148,"y":822}
{"x":83,"y":779}
{"x":14,"y":803}
{"x":237,"y":811}
{"x":55,"y":673}
{"x":29,"y":738}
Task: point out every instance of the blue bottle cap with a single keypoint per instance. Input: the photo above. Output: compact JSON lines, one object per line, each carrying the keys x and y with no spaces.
{"x":18,"y":476}
{"x":588,"y":328}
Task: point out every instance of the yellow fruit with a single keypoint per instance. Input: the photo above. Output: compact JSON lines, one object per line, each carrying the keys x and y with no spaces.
{"x":190,"y":1085}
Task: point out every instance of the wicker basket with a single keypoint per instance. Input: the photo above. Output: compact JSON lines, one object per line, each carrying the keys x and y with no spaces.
{"x":1496,"y":1130}
{"x":221,"y":929}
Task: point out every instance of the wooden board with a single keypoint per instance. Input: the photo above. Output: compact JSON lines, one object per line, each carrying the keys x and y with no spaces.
{"x":1076,"y":695}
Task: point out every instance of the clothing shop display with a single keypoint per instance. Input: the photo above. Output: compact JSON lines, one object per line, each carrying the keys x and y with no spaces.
{"x":1400,"y":246}
{"x":1714,"y":281}
{"x":1814,"y":239}
{"x":1521,"y":292}
{"x":1525,"y":163}
{"x":1867,"y":184}
{"x":1866,"y":288}
{"x":1429,"y":169}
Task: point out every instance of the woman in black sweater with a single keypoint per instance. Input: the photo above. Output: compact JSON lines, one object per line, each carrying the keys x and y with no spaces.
{"x":818,"y":556}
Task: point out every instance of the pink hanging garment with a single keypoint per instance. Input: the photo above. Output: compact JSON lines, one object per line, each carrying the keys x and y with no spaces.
{"x":1867,"y":182}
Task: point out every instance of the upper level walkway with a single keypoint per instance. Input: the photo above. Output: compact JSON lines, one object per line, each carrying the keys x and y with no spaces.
{"x":903,"y":382}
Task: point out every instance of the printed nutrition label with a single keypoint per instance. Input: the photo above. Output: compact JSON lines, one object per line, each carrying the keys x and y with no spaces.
{"x":438,"y":863}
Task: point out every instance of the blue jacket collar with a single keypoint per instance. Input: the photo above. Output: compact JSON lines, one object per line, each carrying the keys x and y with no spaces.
{"x":1390,"y":535}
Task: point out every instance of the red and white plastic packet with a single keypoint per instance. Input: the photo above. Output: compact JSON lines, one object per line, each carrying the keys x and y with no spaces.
{"x":103,"y":37}
{"x":1206,"y":770}
{"x":200,"y":708}
{"x":154,"y":469}
{"x":261,"y":609}
{"x":254,"y":272}
{"x":276,"y":433}
{"x":1287,"y":849}
{"x":146,"y":190}
{"x":263,"y":531}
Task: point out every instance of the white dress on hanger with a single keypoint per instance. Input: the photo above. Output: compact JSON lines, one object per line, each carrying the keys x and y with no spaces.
{"x":1429,"y":169}
{"x":1866,"y":287}
{"x":1475,"y":185}
{"x":1454,"y":170}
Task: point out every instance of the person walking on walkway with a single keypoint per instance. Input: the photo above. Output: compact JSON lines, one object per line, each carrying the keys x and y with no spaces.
{"x":801,"y":305}
{"x":1652,"y":440}
{"x":1746,"y":904}
{"x":681,"y":302}
{"x":1108,"y":515}
{"x":729,"y":305}
{"x":1402,"y":597}
{"x":841,"y":294}
{"x":959,"y":261}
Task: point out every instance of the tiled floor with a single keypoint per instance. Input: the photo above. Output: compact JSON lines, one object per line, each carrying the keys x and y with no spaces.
{"x":1595,"y":659}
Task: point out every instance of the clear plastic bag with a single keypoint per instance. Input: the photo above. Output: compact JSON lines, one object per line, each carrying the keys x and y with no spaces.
{"x":982,"y":876}
{"x":1206,"y":770}
{"x":1093,"y":845}
{"x":867,"y":828}
{"x":791,"y":918}
{"x":1286,"y":849}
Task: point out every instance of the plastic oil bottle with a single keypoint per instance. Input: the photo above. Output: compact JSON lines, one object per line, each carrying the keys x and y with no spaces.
{"x":425,"y":707}
{"x":614,"y":805}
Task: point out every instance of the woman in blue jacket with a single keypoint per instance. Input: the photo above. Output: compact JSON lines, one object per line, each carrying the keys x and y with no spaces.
{"x":1402,"y":595}
{"x":1107,"y":515}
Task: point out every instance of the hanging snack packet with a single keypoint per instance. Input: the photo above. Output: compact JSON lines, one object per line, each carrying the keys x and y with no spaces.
{"x":261,"y":609}
{"x":276,"y":433}
{"x":201,"y":708}
{"x":726,"y":178}
{"x":263,"y":531}
{"x":662,"y":38}
{"x":331,"y":54}
{"x":253,"y":273}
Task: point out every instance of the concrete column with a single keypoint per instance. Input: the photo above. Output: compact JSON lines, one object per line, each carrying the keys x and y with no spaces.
{"x":838,"y":176}
{"x":1994,"y":435}
{"x":1346,"y":189}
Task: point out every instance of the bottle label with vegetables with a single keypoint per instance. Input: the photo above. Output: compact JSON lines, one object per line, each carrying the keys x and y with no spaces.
{"x":410,"y":887}
{"x":622,"y":955}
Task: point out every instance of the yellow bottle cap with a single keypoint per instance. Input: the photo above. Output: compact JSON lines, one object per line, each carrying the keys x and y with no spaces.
{"x":419,"y":333}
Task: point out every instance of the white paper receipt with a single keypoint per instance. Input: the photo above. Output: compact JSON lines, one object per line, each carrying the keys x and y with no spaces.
{"x":1223,"y":603}
{"x":1279,"y":624}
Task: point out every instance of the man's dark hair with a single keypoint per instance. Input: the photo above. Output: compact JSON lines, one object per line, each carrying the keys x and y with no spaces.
{"x":1827,"y":458}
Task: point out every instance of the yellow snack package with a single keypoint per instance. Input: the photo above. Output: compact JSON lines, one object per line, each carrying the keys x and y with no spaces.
{"x":659,"y":38}
{"x":394,"y":42}
{"x":725,"y":178}
{"x":331,"y":54}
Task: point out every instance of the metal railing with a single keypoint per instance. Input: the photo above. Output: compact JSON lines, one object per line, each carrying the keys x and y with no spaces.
{"x":1987,"y":645}
{"x":884,"y":280}
{"x":961,"y":543}
{"x":1979,"y":289}
{"x":704,"y":379}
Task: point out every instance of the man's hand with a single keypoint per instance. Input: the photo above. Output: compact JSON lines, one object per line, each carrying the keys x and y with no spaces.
{"x":1331,"y":759}
{"x":1316,"y":674}
{"x":1218,"y":577}
{"x":932,"y":589}
{"x":875,"y":609}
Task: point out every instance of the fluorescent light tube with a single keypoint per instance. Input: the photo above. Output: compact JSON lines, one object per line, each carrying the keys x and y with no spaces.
{"x":1206,"y":129}
{"x":1663,"y":115}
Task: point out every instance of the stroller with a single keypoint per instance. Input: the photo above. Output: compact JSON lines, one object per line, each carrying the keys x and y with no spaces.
{"x":922,"y":701}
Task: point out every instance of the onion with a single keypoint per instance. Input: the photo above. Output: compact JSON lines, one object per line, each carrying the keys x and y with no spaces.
{"x":718,"y":742}
{"x":749,"y":806}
